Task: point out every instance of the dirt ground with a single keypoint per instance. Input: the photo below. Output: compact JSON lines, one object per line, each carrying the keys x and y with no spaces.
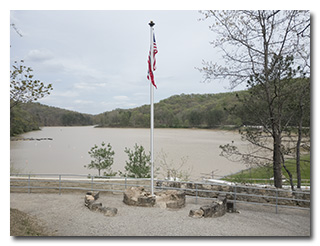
{"x":66,"y":215}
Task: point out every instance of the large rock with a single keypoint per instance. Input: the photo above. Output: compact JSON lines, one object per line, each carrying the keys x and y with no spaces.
{"x":137,"y":196}
{"x":216,"y":209}
{"x":95,"y":206}
{"x":196,"y":213}
{"x":90,"y":198}
{"x":90,"y":202}
{"x":170,"y":199}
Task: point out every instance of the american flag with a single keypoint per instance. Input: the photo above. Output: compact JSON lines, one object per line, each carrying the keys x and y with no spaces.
{"x":152,"y":67}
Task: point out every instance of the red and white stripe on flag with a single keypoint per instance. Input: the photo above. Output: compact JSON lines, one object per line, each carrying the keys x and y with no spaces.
{"x":152,"y":67}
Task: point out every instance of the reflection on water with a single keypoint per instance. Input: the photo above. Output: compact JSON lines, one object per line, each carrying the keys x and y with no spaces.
{"x":68,"y":151}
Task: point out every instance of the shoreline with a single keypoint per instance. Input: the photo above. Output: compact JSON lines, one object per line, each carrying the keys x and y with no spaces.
{"x":219,"y":128}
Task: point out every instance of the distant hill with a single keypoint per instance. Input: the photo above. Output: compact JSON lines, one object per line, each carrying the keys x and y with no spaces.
{"x":30,"y":116}
{"x":179,"y":111}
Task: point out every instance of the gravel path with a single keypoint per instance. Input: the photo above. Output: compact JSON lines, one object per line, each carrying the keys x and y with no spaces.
{"x":66,"y":215}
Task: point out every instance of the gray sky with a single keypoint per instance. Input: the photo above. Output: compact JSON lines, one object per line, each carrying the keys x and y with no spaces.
{"x":97,"y":60}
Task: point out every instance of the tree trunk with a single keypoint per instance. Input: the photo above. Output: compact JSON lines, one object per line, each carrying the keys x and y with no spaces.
{"x":288,"y":172}
{"x":298,"y":159}
{"x":277,"y":174}
{"x":299,"y":143}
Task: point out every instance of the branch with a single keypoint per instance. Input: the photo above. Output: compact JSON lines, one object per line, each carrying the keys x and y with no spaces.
{"x":303,"y":30}
{"x":273,"y":14}
{"x":16,"y":29}
{"x":232,"y":153}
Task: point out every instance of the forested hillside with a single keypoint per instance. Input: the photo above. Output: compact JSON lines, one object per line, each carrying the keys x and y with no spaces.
{"x":30,"y":116}
{"x":195,"y":110}
{"x":199,"y":110}
{"x":179,"y":111}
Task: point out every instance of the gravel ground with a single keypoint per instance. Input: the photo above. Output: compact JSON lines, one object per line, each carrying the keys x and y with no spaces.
{"x":66,"y":215}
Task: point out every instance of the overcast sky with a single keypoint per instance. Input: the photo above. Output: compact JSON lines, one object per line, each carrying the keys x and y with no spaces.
{"x":97,"y":60}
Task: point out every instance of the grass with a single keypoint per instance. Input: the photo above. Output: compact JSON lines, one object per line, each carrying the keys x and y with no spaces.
{"x":263,"y":174}
{"x":21,"y":225}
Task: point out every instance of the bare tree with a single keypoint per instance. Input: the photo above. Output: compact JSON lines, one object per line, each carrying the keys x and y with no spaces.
{"x":258,"y":47}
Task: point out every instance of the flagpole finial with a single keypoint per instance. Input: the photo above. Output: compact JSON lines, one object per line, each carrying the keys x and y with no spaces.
{"x":151,"y":23}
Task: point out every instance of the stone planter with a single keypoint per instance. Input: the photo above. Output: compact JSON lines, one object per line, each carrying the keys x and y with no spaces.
{"x":170,"y":199}
{"x":137,"y":196}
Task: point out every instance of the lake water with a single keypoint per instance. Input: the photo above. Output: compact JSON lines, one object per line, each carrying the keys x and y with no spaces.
{"x":67,"y":153}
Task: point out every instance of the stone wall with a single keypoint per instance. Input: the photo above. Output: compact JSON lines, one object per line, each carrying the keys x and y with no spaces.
{"x":248,"y":193}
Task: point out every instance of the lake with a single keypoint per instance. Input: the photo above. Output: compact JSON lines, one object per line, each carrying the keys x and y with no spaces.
{"x":195,"y":151}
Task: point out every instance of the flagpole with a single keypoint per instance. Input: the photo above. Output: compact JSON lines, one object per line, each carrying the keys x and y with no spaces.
{"x":151,"y":24}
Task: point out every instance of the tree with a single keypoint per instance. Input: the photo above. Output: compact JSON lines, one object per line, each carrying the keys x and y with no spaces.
{"x":171,"y":170}
{"x":139,"y":165}
{"x":256,"y":46}
{"x":303,"y":110}
{"x":102,"y":159}
{"x":23,"y":88}
{"x":299,"y":132}
{"x":283,"y":90}
{"x":214,"y":117}
{"x":22,"y":121}
{"x":195,"y":118}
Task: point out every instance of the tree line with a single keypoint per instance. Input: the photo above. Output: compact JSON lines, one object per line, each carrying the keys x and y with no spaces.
{"x":179,"y":111}
{"x":31,"y":116}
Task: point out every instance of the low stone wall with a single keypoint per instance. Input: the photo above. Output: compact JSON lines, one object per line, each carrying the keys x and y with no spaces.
{"x":242,"y":193}
{"x":138,"y":196}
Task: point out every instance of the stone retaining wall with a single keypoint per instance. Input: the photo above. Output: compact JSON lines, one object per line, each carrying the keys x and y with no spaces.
{"x":242,"y":193}
{"x":248,"y":193}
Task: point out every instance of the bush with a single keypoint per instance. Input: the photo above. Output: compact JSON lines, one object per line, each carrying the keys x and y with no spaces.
{"x":139,"y":165}
{"x":102,"y":159}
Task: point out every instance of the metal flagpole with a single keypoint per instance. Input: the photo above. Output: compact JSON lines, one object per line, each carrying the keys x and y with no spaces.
{"x":151,"y":24}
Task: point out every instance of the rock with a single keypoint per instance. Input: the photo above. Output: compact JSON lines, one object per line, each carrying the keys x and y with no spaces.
{"x":146,"y":201}
{"x":161,"y":204}
{"x":170,"y":199}
{"x":90,"y":198}
{"x":196,"y":213}
{"x":219,"y":206}
{"x":216,"y":209}
{"x":96,"y":196}
{"x":95,"y":206}
{"x":110,"y":212}
{"x":175,"y":204}
{"x":207,"y":211}
{"x":90,"y":202}
{"x":137,"y":196}
{"x":230,"y":207}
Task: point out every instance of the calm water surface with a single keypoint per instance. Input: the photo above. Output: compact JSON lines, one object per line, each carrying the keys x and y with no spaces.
{"x":67,"y":153}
